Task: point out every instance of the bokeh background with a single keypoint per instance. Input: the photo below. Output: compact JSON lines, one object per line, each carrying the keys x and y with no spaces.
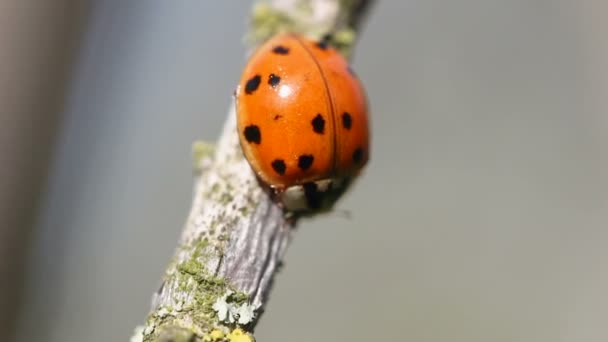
{"x":481,"y":217}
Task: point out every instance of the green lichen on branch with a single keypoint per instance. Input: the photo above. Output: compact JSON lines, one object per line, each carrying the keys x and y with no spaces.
{"x":202,"y":156}
{"x":268,"y":20}
{"x":192,"y":317}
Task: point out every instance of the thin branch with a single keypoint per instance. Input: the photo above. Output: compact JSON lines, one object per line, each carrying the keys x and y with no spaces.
{"x":235,"y":236}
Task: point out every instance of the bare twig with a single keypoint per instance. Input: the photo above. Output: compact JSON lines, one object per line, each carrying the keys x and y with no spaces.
{"x":235,"y":236}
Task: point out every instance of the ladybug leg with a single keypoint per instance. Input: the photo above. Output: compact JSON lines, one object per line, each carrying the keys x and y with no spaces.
{"x":291,"y":217}
{"x":275,"y":195}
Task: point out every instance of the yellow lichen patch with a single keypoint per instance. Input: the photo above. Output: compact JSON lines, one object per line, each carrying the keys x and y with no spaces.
{"x":239,"y":335}
{"x":214,"y":336}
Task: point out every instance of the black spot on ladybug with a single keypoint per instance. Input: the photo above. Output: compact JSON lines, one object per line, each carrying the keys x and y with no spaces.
{"x":252,"y":134}
{"x":280,"y":50}
{"x":358,"y":155}
{"x":347,"y":120}
{"x":278,"y":165}
{"x":253,"y":84}
{"x":314,"y":197}
{"x":318,"y":124}
{"x":273,"y":80}
{"x":277,"y":117}
{"x":305,"y":161}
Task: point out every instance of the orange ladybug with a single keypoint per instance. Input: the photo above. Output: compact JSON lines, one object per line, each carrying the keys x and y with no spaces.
{"x":302,"y":121}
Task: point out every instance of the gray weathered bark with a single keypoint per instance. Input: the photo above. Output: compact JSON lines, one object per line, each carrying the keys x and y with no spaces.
{"x":235,"y":235}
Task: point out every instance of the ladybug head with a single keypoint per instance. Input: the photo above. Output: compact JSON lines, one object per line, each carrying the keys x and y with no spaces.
{"x":313,"y":197}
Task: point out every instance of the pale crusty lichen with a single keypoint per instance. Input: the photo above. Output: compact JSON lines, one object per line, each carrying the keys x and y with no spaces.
{"x":315,"y":20}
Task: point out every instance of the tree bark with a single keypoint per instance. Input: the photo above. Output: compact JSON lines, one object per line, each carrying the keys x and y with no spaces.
{"x":235,"y":236}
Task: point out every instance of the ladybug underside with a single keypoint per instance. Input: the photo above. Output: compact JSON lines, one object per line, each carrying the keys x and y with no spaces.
{"x":319,"y":195}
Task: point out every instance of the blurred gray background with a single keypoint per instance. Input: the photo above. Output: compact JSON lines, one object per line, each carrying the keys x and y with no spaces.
{"x":481,"y":217}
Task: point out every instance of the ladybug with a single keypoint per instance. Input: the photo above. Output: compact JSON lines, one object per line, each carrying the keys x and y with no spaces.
{"x":302,"y":121}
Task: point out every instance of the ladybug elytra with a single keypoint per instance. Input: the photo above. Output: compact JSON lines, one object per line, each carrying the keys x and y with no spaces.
{"x":302,"y":121}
